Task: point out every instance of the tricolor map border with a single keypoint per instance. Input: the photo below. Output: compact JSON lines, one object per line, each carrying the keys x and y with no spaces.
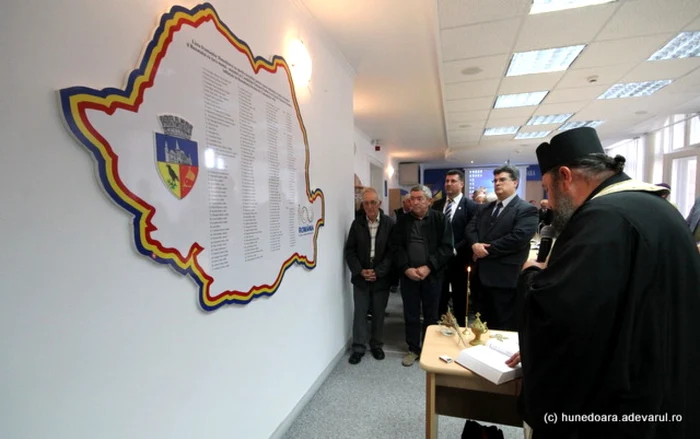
{"x":75,"y":101}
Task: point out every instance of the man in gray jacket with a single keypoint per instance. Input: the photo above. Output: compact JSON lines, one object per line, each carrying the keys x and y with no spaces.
{"x":368,"y":256}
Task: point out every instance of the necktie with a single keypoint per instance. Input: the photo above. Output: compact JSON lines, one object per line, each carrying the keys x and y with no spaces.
{"x":499,"y":206}
{"x":448,"y":210}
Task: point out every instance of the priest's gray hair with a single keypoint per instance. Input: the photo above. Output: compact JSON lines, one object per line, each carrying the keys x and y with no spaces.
{"x":593,"y":165}
{"x":425,"y":189}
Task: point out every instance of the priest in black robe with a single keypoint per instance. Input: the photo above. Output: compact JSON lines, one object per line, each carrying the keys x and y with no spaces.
{"x":610,"y":324}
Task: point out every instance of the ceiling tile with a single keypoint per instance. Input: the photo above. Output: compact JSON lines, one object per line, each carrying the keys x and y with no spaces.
{"x":648,"y":17}
{"x":695,"y":25}
{"x":468,"y":116}
{"x":611,"y":109}
{"x":529,"y":83}
{"x":471,"y":89}
{"x":687,"y":84}
{"x":454,"y":13}
{"x":669,"y":69}
{"x":465,"y":133}
{"x":567,"y":107}
{"x":470,"y":104}
{"x":462,"y":127}
{"x":535,"y":128}
{"x":574,"y":94}
{"x":605,"y":75}
{"x":482,"y":39}
{"x":631,"y":50}
{"x":506,"y":122}
{"x":486,"y":67}
{"x":508,"y":113}
{"x":563,"y":28}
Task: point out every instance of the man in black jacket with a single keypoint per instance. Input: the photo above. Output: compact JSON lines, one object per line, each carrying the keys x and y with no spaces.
{"x":459,"y":210}
{"x":422,"y":247}
{"x":500,"y":237}
{"x":368,"y":256}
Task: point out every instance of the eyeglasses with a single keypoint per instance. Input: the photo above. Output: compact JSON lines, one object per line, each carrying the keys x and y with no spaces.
{"x":370,"y":203}
{"x":501,"y":180}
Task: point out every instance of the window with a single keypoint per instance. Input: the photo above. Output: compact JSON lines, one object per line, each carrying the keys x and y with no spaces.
{"x":632,"y":151}
{"x":694,"y":130}
{"x":683,"y":173}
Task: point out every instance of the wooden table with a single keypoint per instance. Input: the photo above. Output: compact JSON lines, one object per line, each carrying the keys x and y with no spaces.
{"x":455,"y":391}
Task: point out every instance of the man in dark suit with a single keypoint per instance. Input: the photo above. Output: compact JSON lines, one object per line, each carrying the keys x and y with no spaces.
{"x":545,"y":213}
{"x":459,"y":210}
{"x":499,"y":236}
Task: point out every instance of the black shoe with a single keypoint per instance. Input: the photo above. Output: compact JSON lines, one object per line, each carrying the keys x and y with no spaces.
{"x":378,"y":353}
{"x":355,"y":358}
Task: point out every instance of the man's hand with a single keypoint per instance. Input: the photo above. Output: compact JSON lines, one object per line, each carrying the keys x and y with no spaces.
{"x":368,"y":275}
{"x":412,"y":273}
{"x":480,"y":250}
{"x":514,"y":360}
{"x":423,"y":271}
{"x":534,"y":263}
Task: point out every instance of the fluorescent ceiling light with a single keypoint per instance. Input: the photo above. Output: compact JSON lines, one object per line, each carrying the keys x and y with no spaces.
{"x":500,"y":131}
{"x":634,"y":89}
{"x":541,"y":6}
{"x":520,"y":99}
{"x":552,"y":118}
{"x":580,"y":123}
{"x":533,"y":135}
{"x":543,"y":61}
{"x":684,"y":45}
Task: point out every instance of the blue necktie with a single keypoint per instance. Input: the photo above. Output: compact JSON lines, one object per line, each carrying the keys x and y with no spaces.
{"x":448,"y":211}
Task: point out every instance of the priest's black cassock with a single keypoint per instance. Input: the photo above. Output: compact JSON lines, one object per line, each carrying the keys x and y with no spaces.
{"x":612,"y":325}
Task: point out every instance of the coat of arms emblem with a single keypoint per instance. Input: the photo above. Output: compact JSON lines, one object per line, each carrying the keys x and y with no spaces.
{"x":176,"y":155}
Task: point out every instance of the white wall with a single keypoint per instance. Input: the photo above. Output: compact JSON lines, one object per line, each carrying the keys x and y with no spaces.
{"x":95,"y":340}
{"x":365,"y":155}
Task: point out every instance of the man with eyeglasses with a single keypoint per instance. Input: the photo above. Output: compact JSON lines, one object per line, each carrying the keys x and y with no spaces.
{"x":368,"y":256}
{"x":500,"y":236}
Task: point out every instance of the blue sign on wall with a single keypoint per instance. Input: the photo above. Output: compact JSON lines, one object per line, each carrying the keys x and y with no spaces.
{"x":533,"y":173}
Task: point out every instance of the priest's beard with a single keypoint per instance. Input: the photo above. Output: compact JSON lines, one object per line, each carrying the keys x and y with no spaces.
{"x":563,"y":212}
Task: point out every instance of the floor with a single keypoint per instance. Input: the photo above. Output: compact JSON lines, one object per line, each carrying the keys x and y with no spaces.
{"x":376,"y":399}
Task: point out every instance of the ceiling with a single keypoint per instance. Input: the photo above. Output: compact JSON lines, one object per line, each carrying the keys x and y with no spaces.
{"x":429,"y":71}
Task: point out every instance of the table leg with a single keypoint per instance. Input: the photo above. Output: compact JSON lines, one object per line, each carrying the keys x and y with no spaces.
{"x":431,"y":417}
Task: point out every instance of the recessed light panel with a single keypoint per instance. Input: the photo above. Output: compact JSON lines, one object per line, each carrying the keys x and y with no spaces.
{"x":684,"y":45}
{"x":520,"y":99}
{"x":580,"y":123}
{"x":634,"y":89}
{"x":545,"y":120}
{"x":533,"y":135}
{"x":500,"y":131}
{"x":543,"y":61}
{"x":542,"y":6}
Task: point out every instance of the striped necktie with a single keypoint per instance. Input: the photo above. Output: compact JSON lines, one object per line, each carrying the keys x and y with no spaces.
{"x":448,"y":210}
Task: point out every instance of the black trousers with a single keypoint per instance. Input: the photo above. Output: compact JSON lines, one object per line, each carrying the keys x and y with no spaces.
{"x":496,"y":305}
{"x":455,"y":277}
{"x":425,"y":294}
{"x":369,"y":299}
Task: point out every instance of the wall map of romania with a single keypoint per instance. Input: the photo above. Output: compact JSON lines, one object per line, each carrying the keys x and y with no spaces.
{"x":205,"y":147}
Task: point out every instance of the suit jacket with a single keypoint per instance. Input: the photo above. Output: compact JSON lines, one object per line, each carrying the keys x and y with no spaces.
{"x":357,"y":250}
{"x":546,"y":216}
{"x":464,"y":212}
{"x":437,"y":240}
{"x":693,"y":219}
{"x":509,"y":237}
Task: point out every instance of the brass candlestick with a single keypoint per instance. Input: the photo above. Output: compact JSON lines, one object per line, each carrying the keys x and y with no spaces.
{"x":478,"y":328}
